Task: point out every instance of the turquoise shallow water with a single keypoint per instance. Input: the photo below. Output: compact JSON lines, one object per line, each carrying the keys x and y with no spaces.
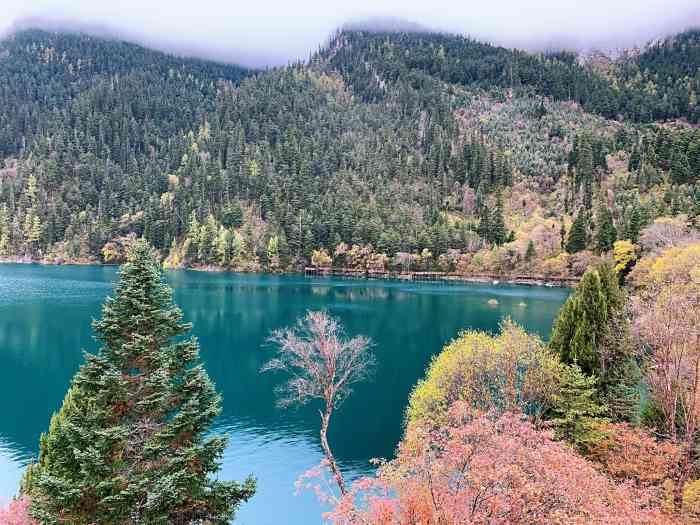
{"x":45,"y":315}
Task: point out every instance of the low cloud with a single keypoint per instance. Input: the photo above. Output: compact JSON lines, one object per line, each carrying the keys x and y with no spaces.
{"x":272,"y":32}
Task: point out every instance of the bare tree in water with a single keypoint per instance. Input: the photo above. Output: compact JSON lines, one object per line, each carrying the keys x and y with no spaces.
{"x":323,"y":364}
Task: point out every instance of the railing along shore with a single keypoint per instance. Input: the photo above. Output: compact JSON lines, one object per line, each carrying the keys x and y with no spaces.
{"x":534,"y":280}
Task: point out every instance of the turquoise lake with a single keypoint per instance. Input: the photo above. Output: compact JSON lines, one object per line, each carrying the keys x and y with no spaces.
{"x":45,"y":315}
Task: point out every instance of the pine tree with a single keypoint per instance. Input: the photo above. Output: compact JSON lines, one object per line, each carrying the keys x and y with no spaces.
{"x":484,"y":228}
{"x":541,"y":110}
{"x":128,"y":444}
{"x":530,"y":251}
{"x":579,"y":329}
{"x":592,"y":333}
{"x":680,"y":168}
{"x":584,"y":161}
{"x":634,"y":160}
{"x":578,"y":234}
{"x":576,"y":410}
{"x":562,"y":236}
{"x":232,"y":216}
{"x":498,"y":234}
{"x":635,"y":224}
{"x":606,"y":234}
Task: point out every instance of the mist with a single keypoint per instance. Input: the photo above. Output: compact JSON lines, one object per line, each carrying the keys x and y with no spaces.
{"x":273,"y":32}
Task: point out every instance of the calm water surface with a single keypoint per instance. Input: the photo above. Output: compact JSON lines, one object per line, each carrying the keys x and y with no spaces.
{"x":45,"y":315}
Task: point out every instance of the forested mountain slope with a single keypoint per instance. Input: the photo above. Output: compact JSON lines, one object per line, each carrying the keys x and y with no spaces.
{"x":662,"y":82}
{"x":90,"y":86}
{"x":385,"y":149}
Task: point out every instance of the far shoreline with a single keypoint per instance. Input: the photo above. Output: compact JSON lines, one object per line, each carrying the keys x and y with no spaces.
{"x":388,"y":275}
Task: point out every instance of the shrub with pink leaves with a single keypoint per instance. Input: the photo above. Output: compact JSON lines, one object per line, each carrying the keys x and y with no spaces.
{"x":16,"y":513}
{"x":488,"y":470}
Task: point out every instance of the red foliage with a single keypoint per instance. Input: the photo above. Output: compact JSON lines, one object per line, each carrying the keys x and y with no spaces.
{"x":632,"y":455}
{"x":490,"y":471}
{"x":16,"y":513}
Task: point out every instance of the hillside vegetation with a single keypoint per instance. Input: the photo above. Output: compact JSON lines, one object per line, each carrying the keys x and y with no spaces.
{"x":385,"y":150}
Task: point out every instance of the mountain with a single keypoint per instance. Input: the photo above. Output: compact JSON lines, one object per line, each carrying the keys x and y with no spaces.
{"x":384,"y":149}
{"x":660,"y":83}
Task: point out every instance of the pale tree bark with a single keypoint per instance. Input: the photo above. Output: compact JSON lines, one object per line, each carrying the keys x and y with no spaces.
{"x":323,"y":364}
{"x":337,"y":474}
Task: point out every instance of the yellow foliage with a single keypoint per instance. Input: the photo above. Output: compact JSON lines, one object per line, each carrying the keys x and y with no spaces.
{"x":674,"y":265}
{"x":166,"y":200}
{"x":556,"y":266}
{"x":111,"y":252}
{"x":204,"y":131}
{"x":691,"y":498}
{"x":513,"y":371}
{"x":624,"y":252}
{"x":321,"y":259}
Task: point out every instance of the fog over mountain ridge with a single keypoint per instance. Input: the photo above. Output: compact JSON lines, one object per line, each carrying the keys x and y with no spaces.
{"x":271,"y":33}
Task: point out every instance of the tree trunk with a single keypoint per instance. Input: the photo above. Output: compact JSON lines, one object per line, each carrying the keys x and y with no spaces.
{"x":325,"y":420}
{"x":678,"y":485}
{"x":683,"y":474}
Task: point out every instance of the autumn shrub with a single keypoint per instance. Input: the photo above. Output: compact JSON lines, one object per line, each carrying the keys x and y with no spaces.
{"x":624,"y":255}
{"x":321,"y":259}
{"x":664,"y":232}
{"x":666,"y":323}
{"x":580,"y":262}
{"x":629,"y":454}
{"x":510,"y":372}
{"x":679,"y":264}
{"x":492,"y":471}
{"x":691,"y":500}
{"x":556,"y":266}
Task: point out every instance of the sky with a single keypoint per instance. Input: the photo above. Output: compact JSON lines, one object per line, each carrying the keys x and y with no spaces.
{"x":273,"y":32}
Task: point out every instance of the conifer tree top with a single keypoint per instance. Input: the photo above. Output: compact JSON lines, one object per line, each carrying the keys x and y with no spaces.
{"x":129,"y":445}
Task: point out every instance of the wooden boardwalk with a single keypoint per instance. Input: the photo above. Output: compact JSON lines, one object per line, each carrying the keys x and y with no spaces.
{"x":539,"y":280}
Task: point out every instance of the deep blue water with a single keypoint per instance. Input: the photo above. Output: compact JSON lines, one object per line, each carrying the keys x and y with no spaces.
{"x":45,"y":315}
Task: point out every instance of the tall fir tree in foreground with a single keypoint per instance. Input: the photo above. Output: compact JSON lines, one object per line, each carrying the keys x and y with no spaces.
{"x":128,"y":445}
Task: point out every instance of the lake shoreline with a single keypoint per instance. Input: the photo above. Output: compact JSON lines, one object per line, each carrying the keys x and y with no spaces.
{"x":493,"y":279}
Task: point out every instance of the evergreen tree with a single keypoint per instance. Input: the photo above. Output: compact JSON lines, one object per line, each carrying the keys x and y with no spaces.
{"x":530,"y":252}
{"x":578,"y":234}
{"x":541,"y":110}
{"x":635,"y":224}
{"x":634,"y":160}
{"x":582,"y":324}
{"x":498,"y":234}
{"x":484,"y":228}
{"x":591,"y":332}
{"x":584,"y":161}
{"x":128,"y":444}
{"x":577,"y":410}
{"x":232,"y":216}
{"x":606,"y":234}
{"x":680,"y":169}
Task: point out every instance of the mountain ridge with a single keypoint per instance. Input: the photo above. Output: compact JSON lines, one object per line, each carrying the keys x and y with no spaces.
{"x":383,"y":150}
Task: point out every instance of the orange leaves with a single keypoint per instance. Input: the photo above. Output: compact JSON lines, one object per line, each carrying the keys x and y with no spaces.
{"x":632,"y":454}
{"x":492,"y":471}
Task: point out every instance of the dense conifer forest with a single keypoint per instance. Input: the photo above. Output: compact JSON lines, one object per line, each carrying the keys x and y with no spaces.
{"x":384,"y":150}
